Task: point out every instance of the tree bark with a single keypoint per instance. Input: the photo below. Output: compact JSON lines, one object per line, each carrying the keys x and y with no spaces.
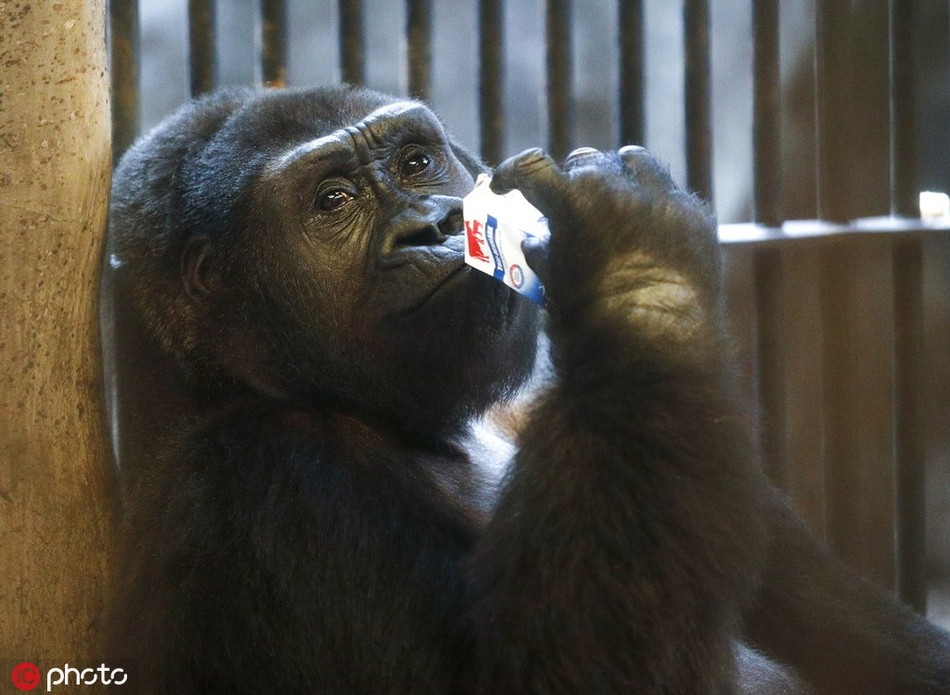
{"x":57,"y":501}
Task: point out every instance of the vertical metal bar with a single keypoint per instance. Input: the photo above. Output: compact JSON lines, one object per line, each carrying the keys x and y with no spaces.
{"x":835,"y":278}
{"x":858,"y":376}
{"x":832,"y":104}
{"x":767,"y":100}
{"x":273,"y":37}
{"x":804,"y":445}
{"x":910,"y":493}
{"x":697,"y":88}
{"x":202,"y":51}
{"x":769,"y":279}
{"x":491,"y":42}
{"x":768,"y":263}
{"x":419,"y":47}
{"x":125,"y":55}
{"x":833,"y":107}
{"x":559,"y":76}
{"x":903,"y":117}
{"x":352,"y":53}
{"x":630,"y":21}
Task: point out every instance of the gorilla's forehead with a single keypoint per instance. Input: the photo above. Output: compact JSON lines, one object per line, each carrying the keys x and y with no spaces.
{"x":365,"y":137}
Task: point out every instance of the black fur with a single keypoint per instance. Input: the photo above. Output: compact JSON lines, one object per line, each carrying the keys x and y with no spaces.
{"x":308,"y":505}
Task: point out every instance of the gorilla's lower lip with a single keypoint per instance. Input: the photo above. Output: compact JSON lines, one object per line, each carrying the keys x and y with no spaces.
{"x":426,"y":257}
{"x":435,"y":255}
{"x":454,"y":271}
{"x":411,"y":276}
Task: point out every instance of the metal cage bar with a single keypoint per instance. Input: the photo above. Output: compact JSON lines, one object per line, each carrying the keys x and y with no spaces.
{"x":491,"y":35}
{"x":419,"y":47}
{"x":833,"y":107}
{"x":352,"y":42}
{"x":559,"y":77}
{"x":273,"y":42}
{"x":631,"y":121}
{"x":903,"y":117}
{"x":767,"y":116}
{"x":768,"y":263}
{"x":697,"y":95}
{"x":910,"y":493}
{"x":202,"y":47}
{"x":769,"y":287}
{"x":125,"y":56}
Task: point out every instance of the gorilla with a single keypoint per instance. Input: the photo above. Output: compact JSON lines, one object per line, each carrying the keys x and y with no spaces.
{"x":315,"y":499}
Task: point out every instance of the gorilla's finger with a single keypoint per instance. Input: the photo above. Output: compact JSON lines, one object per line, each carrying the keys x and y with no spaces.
{"x":536,"y":254}
{"x":582,"y":157}
{"x":535,"y":174}
{"x":642,"y":167}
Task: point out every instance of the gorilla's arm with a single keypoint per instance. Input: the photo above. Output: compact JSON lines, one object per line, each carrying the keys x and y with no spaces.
{"x":624,"y":542}
{"x":842,"y":634}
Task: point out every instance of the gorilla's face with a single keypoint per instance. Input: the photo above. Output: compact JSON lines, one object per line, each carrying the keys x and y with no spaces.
{"x":376,"y":210}
{"x":345,"y":279}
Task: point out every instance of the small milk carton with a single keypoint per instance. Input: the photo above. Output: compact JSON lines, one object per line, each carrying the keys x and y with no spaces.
{"x":495,"y":226}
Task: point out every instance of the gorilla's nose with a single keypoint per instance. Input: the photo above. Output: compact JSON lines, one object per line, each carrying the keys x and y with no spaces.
{"x":428,"y":222}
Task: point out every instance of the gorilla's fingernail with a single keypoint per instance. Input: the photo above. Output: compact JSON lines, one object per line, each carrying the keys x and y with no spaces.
{"x":630,"y":149}
{"x":582,"y":153}
{"x":533,"y":159}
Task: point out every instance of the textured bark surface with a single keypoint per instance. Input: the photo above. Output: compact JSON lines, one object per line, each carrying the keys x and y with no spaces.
{"x":57,"y":506}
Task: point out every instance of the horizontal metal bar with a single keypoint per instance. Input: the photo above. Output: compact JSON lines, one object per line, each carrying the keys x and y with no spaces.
{"x":805,"y":230}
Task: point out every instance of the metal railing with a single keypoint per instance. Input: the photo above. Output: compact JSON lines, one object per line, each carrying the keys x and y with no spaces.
{"x":835,"y":479}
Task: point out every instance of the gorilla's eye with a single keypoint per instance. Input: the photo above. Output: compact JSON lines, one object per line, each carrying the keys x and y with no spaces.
{"x":414,"y":161}
{"x":330,"y":200}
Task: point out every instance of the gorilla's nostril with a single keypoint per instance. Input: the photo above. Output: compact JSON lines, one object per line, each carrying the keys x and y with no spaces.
{"x":453,"y":223}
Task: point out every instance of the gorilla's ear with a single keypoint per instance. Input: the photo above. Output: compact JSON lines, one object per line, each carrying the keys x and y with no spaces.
{"x":194,"y":269}
{"x":471,"y":162}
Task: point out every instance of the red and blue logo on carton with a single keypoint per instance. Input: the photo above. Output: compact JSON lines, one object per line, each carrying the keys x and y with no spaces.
{"x":495,"y":226}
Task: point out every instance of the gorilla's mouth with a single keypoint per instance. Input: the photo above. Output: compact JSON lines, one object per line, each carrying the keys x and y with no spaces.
{"x":429,"y":279}
{"x":446,"y":279}
{"x":412,"y":276}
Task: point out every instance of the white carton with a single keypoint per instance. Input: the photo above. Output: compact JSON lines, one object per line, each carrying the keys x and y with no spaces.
{"x":495,"y":226}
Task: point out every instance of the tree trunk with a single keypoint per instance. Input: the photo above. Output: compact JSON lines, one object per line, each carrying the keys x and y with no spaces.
{"x":57,"y":501}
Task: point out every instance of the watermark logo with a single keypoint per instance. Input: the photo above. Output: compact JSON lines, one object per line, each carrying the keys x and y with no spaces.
{"x":28,"y":676}
{"x":25,"y":676}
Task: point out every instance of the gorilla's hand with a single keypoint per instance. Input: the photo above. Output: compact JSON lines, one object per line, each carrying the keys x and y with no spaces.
{"x":627,"y":245}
